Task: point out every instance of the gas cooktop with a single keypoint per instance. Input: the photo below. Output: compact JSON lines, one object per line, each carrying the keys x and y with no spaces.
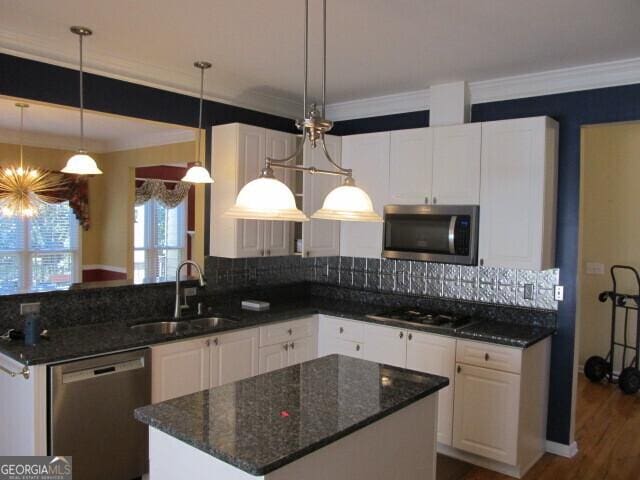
{"x":417,"y":316}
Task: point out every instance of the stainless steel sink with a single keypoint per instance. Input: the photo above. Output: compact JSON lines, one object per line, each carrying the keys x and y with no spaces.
{"x":161,"y":328}
{"x":210,"y":322}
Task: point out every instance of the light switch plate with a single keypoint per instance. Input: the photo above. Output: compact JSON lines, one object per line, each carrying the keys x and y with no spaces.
{"x":559,"y":293}
{"x":190,"y":291}
{"x":528,"y":291}
{"x":595,"y":268}
{"x":26,"y":308}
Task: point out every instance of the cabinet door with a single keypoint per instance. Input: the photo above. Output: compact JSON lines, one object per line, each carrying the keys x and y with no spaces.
{"x":179,"y":368}
{"x":277,"y":235}
{"x":234,"y":356}
{"x":456,"y":164}
{"x":385,"y":345}
{"x":517,"y":188}
{"x":274,"y":357}
{"x":410,"y":166}
{"x":302,"y":349}
{"x":320,"y":238}
{"x":251,"y":156}
{"x":486,"y":408}
{"x":335,"y":345}
{"x":368,"y":156}
{"x":436,"y":354}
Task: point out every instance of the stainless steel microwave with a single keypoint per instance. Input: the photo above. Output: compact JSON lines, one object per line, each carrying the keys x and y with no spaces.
{"x":433,"y":233}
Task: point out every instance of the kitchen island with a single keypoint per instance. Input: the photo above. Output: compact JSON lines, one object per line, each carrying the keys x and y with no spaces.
{"x":334,"y":417}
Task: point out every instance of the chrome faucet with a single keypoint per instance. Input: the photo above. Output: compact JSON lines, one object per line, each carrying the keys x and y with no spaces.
{"x":177,"y":312}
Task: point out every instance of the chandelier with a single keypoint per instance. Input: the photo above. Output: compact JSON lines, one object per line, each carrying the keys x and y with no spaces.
{"x":267,"y":198}
{"x":23,"y":189}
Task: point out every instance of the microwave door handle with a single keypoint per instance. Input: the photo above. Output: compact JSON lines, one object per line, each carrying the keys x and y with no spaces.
{"x":452,"y":234}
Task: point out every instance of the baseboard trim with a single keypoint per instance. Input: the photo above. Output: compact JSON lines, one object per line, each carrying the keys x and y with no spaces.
{"x":503,"y":468}
{"x":561,"y":449}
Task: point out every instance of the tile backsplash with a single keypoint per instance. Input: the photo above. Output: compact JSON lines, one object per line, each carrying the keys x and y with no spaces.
{"x":502,"y":286}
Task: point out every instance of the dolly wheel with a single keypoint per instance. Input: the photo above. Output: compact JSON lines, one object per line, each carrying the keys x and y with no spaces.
{"x":629,"y":380}
{"x":596,"y":369}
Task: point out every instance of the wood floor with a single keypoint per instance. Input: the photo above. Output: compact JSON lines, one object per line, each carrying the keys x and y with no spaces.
{"x":608,"y":436}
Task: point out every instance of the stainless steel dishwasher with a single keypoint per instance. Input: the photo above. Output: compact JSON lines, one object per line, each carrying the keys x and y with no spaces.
{"x":91,"y":405}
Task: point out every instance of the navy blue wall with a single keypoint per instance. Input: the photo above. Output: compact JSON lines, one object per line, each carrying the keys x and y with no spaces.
{"x":571,"y":110}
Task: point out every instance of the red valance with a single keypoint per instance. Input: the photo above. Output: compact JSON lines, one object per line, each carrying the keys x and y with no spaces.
{"x":75,"y":190}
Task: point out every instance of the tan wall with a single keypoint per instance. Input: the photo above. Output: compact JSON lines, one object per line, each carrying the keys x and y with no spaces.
{"x":609,"y":224}
{"x":118,"y":199}
{"x":109,"y":241}
{"x":54,"y":159}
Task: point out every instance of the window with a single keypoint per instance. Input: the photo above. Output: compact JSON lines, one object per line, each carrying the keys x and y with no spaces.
{"x":160,"y":239}
{"x":41,"y":253}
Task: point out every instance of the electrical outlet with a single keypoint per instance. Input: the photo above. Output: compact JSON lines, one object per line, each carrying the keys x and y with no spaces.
{"x":190,"y":292}
{"x":528,"y":291}
{"x":559,"y":293}
{"x":26,"y":308}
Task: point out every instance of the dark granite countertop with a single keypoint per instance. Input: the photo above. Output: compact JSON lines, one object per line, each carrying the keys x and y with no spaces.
{"x":95,"y":339}
{"x":284,"y":415}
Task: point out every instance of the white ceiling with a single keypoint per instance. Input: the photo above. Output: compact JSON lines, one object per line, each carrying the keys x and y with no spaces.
{"x":58,"y":127}
{"x":375,"y":47}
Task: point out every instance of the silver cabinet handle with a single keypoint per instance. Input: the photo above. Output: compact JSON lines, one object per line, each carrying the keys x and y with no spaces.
{"x":426,"y":199}
{"x":409,"y":336}
{"x":357,"y":348}
{"x":435,"y":200}
{"x":459,"y":368}
{"x":207,"y":343}
{"x":481,"y":262}
{"x":268,"y":253}
{"x":261,"y":252}
{"x":286,"y":346}
{"x":290,"y":332}
{"x":486,"y":357}
{"x":341,"y":330}
{"x":24,"y":372}
{"x":215,"y":341}
{"x":308,"y":254}
{"x":292,"y":345}
{"x":401,"y":334}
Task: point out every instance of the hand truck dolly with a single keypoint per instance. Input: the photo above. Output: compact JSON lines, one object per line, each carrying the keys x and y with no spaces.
{"x":597,"y":368}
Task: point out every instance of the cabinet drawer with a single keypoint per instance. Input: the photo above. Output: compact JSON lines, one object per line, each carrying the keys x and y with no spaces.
{"x":342,"y":329}
{"x":495,"y":357}
{"x":282,"y":332}
{"x":344,"y":347}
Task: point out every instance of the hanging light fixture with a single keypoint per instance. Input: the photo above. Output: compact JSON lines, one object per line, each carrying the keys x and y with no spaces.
{"x":267,"y":198}
{"x":198,"y":173}
{"x":81,"y":163}
{"x":24,"y":190}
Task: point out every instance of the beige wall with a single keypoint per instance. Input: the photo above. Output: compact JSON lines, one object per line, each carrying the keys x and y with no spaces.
{"x":54,"y":159}
{"x":609,"y":224}
{"x":118,"y":192}
{"x":109,"y":241}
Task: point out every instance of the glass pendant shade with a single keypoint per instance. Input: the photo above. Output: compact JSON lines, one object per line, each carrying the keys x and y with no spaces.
{"x":266,"y":198}
{"x":197,"y":174}
{"x":81,"y":164}
{"x":347,"y":203}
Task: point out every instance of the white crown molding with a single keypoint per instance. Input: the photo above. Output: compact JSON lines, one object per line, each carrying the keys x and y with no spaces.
{"x":34,"y":47}
{"x":376,"y":106}
{"x":47,"y":140}
{"x":586,"y":77}
{"x":150,"y":140}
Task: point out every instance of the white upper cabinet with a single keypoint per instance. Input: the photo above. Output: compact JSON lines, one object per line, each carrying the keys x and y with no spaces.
{"x":238,"y":156}
{"x":410,"y":166}
{"x":518,"y":193}
{"x":368,"y":156}
{"x":320,"y":238}
{"x":277,"y":235}
{"x":456,"y":164}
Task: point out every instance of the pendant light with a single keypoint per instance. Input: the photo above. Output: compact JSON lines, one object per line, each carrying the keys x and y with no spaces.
{"x":198,"y":173}
{"x":267,"y":198}
{"x":23,"y":189}
{"x":81,"y":163}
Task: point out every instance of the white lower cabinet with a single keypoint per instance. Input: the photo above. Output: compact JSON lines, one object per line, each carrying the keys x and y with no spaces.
{"x":436,"y":354}
{"x":189,"y":366}
{"x":500,"y":403}
{"x":287,"y":343}
{"x":340,"y":336}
